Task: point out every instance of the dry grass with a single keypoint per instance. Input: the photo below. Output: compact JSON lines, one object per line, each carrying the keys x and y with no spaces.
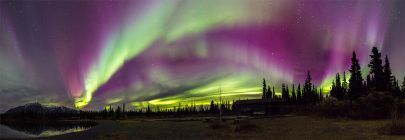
{"x":245,"y":126}
{"x":283,"y":128}
{"x":397,"y":125}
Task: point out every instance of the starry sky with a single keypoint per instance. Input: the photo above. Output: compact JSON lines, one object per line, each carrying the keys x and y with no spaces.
{"x":88,"y":54}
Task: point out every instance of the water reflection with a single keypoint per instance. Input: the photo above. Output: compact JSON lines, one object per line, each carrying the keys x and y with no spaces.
{"x":45,"y":129}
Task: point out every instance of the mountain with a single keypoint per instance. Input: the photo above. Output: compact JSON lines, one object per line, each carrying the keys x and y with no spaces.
{"x":39,"y":109}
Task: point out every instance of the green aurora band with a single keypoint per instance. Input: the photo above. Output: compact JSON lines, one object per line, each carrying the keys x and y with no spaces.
{"x":156,"y":24}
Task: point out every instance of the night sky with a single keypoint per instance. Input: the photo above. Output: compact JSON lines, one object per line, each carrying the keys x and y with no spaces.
{"x":88,"y":54}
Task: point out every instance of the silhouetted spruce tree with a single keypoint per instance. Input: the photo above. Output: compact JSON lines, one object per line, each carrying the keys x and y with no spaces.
{"x":264,"y":89}
{"x":376,"y":70}
{"x":212,"y":107}
{"x":233,"y":106}
{"x":105,"y":112}
{"x":388,"y":78}
{"x":403,"y":88}
{"x":320,"y":95}
{"x":283,"y":92}
{"x":118,"y":113}
{"x":288,"y":99}
{"x":274,"y":93}
{"x":111,"y":112}
{"x":395,"y":88}
{"x":314,"y":94}
{"x":307,"y":91}
{"x":299,"y":95}
{"x":148,"y":110}
{"x":269,"y":93}
{"x":368,"y":82}
{"x":293,"y":95}
{"x":344,"y":85}
{"x":333,"y":92}
{"x":123,"y":108}
{"x":339,"y":88}
{"x":355,"y":81}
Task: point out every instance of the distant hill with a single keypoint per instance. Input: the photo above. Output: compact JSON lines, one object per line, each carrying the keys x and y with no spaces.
{"x":37,"y":109}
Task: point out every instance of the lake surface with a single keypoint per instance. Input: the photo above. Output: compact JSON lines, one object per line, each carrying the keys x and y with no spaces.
{"x":42,"y":129}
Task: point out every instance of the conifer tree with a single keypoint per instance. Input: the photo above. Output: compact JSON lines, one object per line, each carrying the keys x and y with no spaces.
{"x":269,"y":93}
{"x":339,"y":89}
{"x":283,"y":92}
{"x":264,"y":89}
{"x":307,"y":91}
{"x":388,"y":78}
{"x":314,"y":94}
{"x":148,"y":111}
{"x":344,"y":84}
{"x":287,"y":93}
{"x":395,"y":88}
{"x":118,"y":113}
{"x":320,"y":95}
{"x":293,"y":95}
{"x":403,"y":88}
{"x":111,"y":112}
{"x":333,"y":90}
{"x":368,"y":82}
{"x":376,"y":70}
{"x":356,"y":80}
{"x":299,"y":95}
{"x":212,"y":106}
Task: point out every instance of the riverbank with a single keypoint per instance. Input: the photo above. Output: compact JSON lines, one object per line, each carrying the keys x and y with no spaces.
{"x":287,"y":127}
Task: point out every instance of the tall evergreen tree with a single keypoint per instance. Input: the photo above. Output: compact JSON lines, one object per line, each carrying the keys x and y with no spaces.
{"x":403,"y":87}
{"x":395,"y":88}
{"x":287,"y":93}
{"x":274,"y":93}
{"x":320,"y":95}
{"x":299,"y":93}
{"x":307,"y":90}
{"x":368,"y":82}
{"x":284,"y":92}
{"x":356,"y":80}
{"x":388,"y":78}
{"x":344,"y":84}
{"x":118,"y":112}
{"x":293,"y":95}
{"x":148,"y":110}
{"x":264,"y":89}
{"x":339,"y":89}
{"x":376,"y":70}
{"x":111,"y":111}
{"x":269,"y":93}
{"x":212,"y":106}
{"x":333,"y":91}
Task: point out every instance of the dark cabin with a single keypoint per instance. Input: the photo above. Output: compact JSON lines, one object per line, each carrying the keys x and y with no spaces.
{"x":259,"y":106}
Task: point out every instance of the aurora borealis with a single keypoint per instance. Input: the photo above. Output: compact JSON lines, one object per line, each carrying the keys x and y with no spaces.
{"x":161,"y":52}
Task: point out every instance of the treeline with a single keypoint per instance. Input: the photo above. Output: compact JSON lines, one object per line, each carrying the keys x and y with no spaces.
{"x":308,"y":94}
{"x":380,"y":79}
{"x":377,"y":96}
{"x":120,"y":112}
{"x":225,"y":107}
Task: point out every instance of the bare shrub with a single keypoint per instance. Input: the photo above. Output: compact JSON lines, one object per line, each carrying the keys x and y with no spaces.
{"x":245,"y":126}
{"x":218,"y":125}
{"x":376,"y":105}
{"x":397,"y":125}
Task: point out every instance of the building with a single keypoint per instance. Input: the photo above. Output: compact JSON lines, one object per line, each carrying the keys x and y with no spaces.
{"x":259,"y":106}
